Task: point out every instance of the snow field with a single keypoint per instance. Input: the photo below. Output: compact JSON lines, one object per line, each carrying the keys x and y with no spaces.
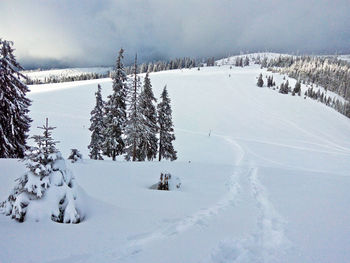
{"x":69,"y":72}
{"x":270,"y":183}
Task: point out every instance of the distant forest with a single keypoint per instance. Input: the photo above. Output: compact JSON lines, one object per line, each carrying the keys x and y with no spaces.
{"x":330,"y":73}
{"x":178,"y":63}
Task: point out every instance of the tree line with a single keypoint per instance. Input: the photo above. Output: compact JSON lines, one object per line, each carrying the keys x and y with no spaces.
{"x":59,"y":79}
{"x":331,"y":73}
{"x":178,"y":63}
{"x":128,"y":123}
{"x":285,"y":88}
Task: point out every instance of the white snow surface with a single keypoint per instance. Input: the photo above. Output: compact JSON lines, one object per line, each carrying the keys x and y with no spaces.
{"x":270,"y":184}
{"x":231,"y":60}
{"x":345,"y":57}
{"x":68,"y":72}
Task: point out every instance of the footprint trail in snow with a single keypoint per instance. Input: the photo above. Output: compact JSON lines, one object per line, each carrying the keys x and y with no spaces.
{"x":267,"y":243}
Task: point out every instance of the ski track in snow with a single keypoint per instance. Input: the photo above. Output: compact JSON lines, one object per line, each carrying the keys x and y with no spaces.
{"x":135,"y":243}
{"x":328,"y":143}
{"x":198,"y":219}
{"x":268,"y":242}
{"x":203,"y":215}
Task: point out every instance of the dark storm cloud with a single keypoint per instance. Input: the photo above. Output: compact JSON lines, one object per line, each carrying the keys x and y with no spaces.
{"x":91,"y":32}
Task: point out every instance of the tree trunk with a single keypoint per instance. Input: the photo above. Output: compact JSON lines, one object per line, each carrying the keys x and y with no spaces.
{"x":160,"y":148}
{"x":134,"y":152}
{"x":135,"y":107}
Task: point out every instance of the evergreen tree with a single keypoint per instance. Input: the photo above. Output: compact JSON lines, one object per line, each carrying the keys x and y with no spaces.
{"x":260,"y":82}
{"x":115,"y":112}
{"x":135,"y":124}
{"x":281,"y":90}
{"x":264,"y":62}
{"x":284,"y":88}
{"x":149,"y":142}
{"x":14,"y":120}
{"x":46,"y":175}
{"x":166,"y":130}
{"x":287,"y":87}
{"x":246,"y":61}
{"x":297,"y":87}
{"x":75,"y":155}
{"x":237,"y":62}
{"x":97,"y":127}
{"x":270,"y":81}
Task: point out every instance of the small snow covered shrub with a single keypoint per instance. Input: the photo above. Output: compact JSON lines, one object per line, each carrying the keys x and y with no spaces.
{"x":75,"y":156}
{"x":168,"y":182}
{"x":48,"y":189}
{"x":163,"y":182}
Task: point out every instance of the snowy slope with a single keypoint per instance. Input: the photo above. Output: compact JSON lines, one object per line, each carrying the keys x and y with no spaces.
{"x":270,"y":184}
{"x":231,"y":60}
{"x":69,"y":72}
{"x":344,"y":57}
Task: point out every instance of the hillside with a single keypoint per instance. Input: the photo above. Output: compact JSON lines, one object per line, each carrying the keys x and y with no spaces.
{"x":265,"y":178}
{"x":41,"y":75}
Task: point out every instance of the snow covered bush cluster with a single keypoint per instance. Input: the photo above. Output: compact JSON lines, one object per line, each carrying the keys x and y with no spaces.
{"x":129,"y":122}
{"x":48,"y":189}
{"x":75,"y":156}
{"x":168,"y":182}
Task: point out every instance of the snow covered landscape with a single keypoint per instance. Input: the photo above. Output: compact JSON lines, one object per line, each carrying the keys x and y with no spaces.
{"x":174,"y":131}
{"x":59,"y":73}
{"x":264,"y":178}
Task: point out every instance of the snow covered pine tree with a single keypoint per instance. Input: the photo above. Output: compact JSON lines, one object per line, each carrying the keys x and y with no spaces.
{"x":149,"y":142}
{"x":97,"y":127}
{"x":75,"y":156}
{"x":14,"y":120}
{"x":166,"y":130}
{"x":135,"y":125}
{"x":48,"y":189}
{"x":260,"y":82}
{"x":115,"y":112}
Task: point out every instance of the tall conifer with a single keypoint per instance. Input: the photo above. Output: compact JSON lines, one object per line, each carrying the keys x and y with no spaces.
{"x":115,"y":112}
{"x":14,"y":120}
{"x":166,"y":130}
{"x":149,"y":142}
{"x":97,"y":127}
{"x":135,"y":124}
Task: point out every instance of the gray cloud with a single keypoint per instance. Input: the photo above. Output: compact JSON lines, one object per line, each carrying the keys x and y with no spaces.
{"x":90,"y":32}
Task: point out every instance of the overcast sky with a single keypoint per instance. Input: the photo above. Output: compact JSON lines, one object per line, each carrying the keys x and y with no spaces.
{"x":90,"y":32}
